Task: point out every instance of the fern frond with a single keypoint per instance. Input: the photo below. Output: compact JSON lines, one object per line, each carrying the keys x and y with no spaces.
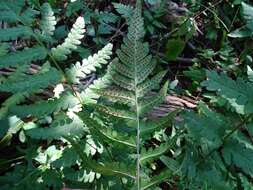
{"x":31,"y":83}
{"x":81,"y":70}
{"x":124,"y":114}
{"x":237,"y":92}
{"x":164,"y":175}
{"x":48,"y":20}
{"x":149,"y":127}
{"x":114,"y":95}
{"x":71,"y":42}
{"x":147,"y":104}
{"x":89,"y":95}
{"x":4,"y":49}
{"x":12,"y":12}
{"x":45,"y":107}
{"x":63,"y":128}
{"x":131,"y":79}
{"x":11,"y":101}
{"x":110,"y":169}
{"x":239,"y":154}
{"x":23,"y":57}
{"x":108,"y":134}
{"x":151,"y":154}
{"x":125,"y":10}
{"x":15,"y":33}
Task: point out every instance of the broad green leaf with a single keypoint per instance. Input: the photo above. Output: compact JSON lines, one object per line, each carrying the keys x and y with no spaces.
{"x":174,"y":48}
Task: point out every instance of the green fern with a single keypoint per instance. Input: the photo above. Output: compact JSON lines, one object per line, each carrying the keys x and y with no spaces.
{"x":238,"y":93}
{"x":71,"y":42}
{"x":13,"y":12}
{"x":48,"y":20}
{"x":131,"y":82}
{"x":152,"y":154}
{"x":60,"y":128}
{"x":25,"y":56}
{"x":15,"y":33}
{"x":10,"y":102}
{"x":81,"y":70}
{"x":239,"y":154}
{"x":32,"y":83}
{"x":109,"y":135}
{"x":44,"y":108}
{"x":110,"y":169}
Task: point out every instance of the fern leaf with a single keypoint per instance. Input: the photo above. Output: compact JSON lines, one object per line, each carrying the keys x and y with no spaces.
{"x":130,"y":75}
{"x":114,"y":94}
{"x":110,"y":169}
{"x":149,"y":127}
{"x":71,"y":42}
{"x":150,"y":84}
{"x":15,"y":33}
{"x":147,"y":104}
{"x":108,"y":134}
{"x":14,"y":12}
{"x":63,"y":129}
{"x":163,"y":176}
{"x":4,"y":49}
{"x":115,"y":112}
{"x":43,"y":108}
{"x":238,"y":93}
{"x":48,"y":21}
{"x":11,"y":101}
{"x":89,"y":65}
{"x":31,"y":83}
{"x":125,"y":10}
{"x":239,"y":154}
{"x":89,"y":95}
{"x":152,"y":154}
{"x":23,"y":57}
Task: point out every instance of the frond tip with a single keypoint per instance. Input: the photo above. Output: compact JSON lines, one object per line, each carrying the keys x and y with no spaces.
{"x":71,"y":42}
{"x":48,"y":21}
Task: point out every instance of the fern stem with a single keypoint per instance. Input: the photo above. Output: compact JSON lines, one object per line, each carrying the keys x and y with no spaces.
{"x":138,"y":123}
{"x":138,"y":167}
{"x":138,"y":145}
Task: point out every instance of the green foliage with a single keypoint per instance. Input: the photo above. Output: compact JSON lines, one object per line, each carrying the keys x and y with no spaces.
{"x":71,"y":42}
{"x":174,"y":48}
{"x":15,"y":33}
{"x":65,"y":126}
{"x":48,"y":21}
{"x":81,"y":70}
{"x":23,"y":57}
{"x":245,"y":31}
{"x":239,"y":154}
{"x":238,"y":93}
